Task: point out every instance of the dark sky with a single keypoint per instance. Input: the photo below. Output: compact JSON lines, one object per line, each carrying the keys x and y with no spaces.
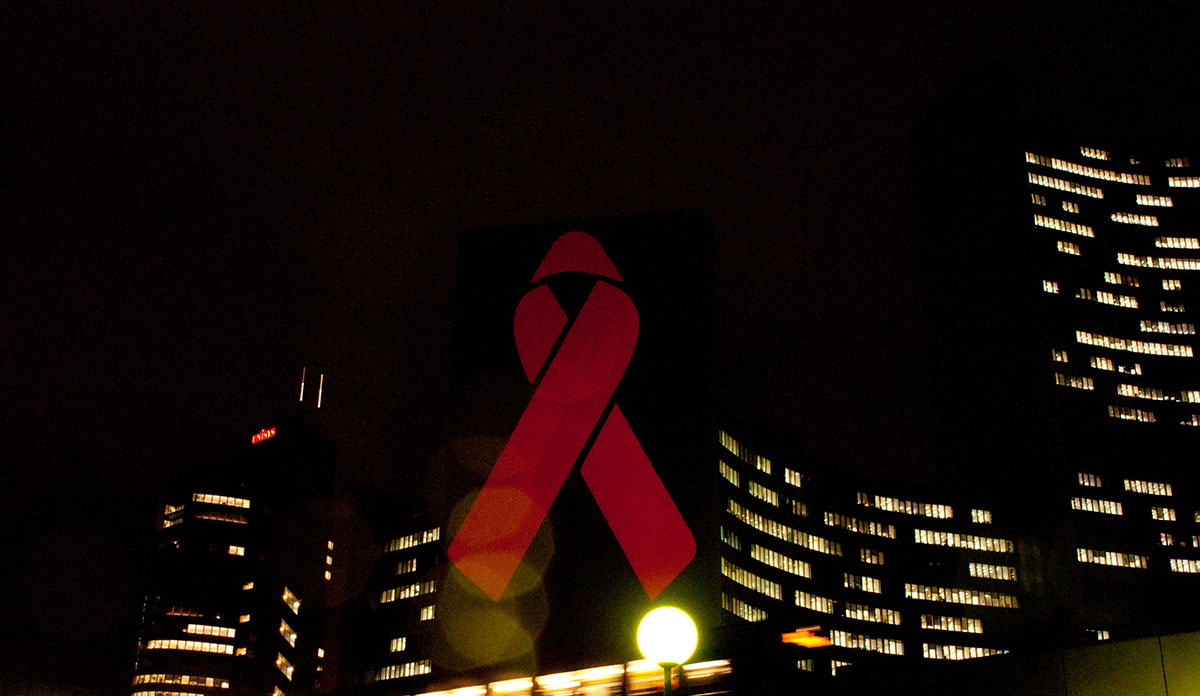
{"x":201,"y":201}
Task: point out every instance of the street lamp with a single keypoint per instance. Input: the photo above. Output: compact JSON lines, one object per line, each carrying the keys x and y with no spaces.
{"x":667,"y":636}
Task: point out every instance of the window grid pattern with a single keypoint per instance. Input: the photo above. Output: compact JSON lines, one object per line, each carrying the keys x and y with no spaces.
{"x":959,"y":624}
{"x":779,"y":561}
{"x":1147,"y":347}
{"x":1185,"y":565}
{"x":862,"y":612}
{"x":1111,"y":558}
{"x":1108,"y":507}
{"x":742,"y":610}
{"x":1062,"y":185}
{"x":959,"y":595}
{"x":763,"y":493}
{"x":1084,"y":170}
{"x":1162,"y":514}
{"x":907,"y":507}
{"x":963,"y":541}
{"x":415,"y":589}
{"x":932,"y":651}
{"x":416,"y":539}
{"x":888,"y":531}
{"x":1163,"y":262}
{"x":751,"y":581}
{"x":992,"y":572}
{"x":784,"y":532}
{"x":220,"y":500}
{"x":814,"y":602}
{"x":1133,"y":414}
{"x":729,"y":473}
{"x":408,"y":669}
{"x":190,"y":645}
{"x":981,"y":516}
{"x":863,"y":583}
{"x":1063,"y":225}
{"x":1148,"y":487}
{"x":858,"y":641}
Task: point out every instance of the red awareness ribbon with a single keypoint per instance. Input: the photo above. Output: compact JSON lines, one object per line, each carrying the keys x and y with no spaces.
{"x":569,"y":404}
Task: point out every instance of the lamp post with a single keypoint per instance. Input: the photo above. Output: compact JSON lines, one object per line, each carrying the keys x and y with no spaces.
{"x":667,"y":637}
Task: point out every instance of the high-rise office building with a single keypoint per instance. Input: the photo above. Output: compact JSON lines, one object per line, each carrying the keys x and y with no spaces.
{"x":235,"y":603}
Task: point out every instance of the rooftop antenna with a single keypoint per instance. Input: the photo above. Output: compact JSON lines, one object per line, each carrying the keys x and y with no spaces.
{"x":302,"y":371}
{"x":320,"y":387}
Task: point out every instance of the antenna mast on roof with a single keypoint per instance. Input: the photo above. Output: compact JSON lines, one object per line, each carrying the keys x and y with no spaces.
{"x":302,"y":371}
{"x":320,"y":388}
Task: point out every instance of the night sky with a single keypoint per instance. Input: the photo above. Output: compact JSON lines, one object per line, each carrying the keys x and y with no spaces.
{"x":202,"y":201}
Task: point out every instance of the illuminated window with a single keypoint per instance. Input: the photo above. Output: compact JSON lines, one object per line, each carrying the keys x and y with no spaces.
{"x":1072,"y":381}
{"x":1108,"y":507}
{"x":1183,"y":181}
{"x":958,"y":595}
{"x":1150,"y":326}
{"x":835,"y":664}
{"x":278,"y":692}
{"x":1085,"y":294}
{"x":1163,"y":514}
{"x":1119,"y":279}
{"x":1070,"y":207}
{"x":236,"y":550}
{"x":407,"y":542}
{"x":406,"y":566}
{"x":1139,"y":392}
{"x":1068,"y":248}
{"x":909,"y":507}
{"x":761,"y":463}
{"x":190,"y":645}
{"x":729,"y":473}
{"x":408,"y":669}
{"x":957,"y":652}
{"x":807,"y":665}
{"x":1084,"y":170}
{"x":291,"y":600}
{"x":1069,"y":186}
{"x":1171,"y":306}
{"x":1134,"y":369}
{"x":1165,"y":539}
{"x":248,"y":586}
{"x":1177,"y":162}
{"x":1148,"y":487}
{"x":1095,"y":153}
{"x":871,"y":556}
{"x":398,"y":644}
{"x":740,"y":609}
{"x":731,"y":539}
{"x":427,"y":612}
{"x":1050,"y":286}
{"x":780,"y":561}
{"x":747,"y":579}
{"x":329,"y":545}
{"x":414,"y":590}
{"x":794,"y":478}
{"x":185,"y":679}
{"x":1177,"y":242}
{"x":961,"y":624}
{"x":1158,"y":201}
{"x":782,"y":531}
{"x":1100,"y":634}
{"x":992,"y":572}
{"x":184,"y":611}
{"x":763,"y":493}
{"x":220,"y":500}
{"x":169,"y":509}
{"x":244,"y":618}
{"x":1185,"y":565}
{"x":284,"y":666}
{"x":1111,"y":558}
{"x":1063,"y":225}
{"x":963,"y":541}
{"x":862,"y":583}
{"x":171,"y":523}
{"x":207,"y":630}
{"x":981,"y":516}
{"x":1164,"y":262}
{"x":862,"y":612}
{"x":1147,"y":347}
{"x":887,"y":531}
{"x":329,"y":560}
{"x":243,"y":652}
{"x":814,"y":602}
{"x":328,"y":575}
{"x":1135,"y":219}
{"x":856,"y":641}
{"x":221,"y":516}
{"x":288,"y":634}
{"x":1092,"y":480}
{"x":1134,"y":414}
{"x":321,"y":653}
{"x":1172,"y":284}
{"x":1116,"y":300}
{"x":1038,"y":199}
{"x":1191,"y":396}
{"x":1058,"y":355}
{"x":1101,"y":363}
{"x":799,"y":508}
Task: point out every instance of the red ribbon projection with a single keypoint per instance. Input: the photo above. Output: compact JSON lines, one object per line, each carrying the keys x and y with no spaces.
{"x":568,"y":406}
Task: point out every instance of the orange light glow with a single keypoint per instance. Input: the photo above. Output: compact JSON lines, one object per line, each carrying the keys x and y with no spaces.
{"x":264,"y":434}
{"x":806,"y":638}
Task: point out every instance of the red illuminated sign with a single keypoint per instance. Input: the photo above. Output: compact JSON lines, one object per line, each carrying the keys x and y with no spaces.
{"x":806,"y":638}
{"x":580,"y":366}
{"x":264,"y":434}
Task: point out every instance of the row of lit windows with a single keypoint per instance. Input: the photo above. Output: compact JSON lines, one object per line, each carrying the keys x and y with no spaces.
{"x":780,"y":561}
{"x":993,"y":572}
{"x":862,"y":583}
{"x":1063,"y":225}
{"x":1050,"y":286}
{"x":981,"y":516}
{"x":1083,"y":170}
{"x":1073,"y":381}
{"x":1111,"y":558}
{"x":1150,"y":326}
{"x":799,"y":508}
{"x":863,"y":612}
{"x":1159,"y":201}
{"x":220,"y":500}
{"x":761,"y":463}
{"x":871,"y":556}
{"x":172,"y":523}
{"x":1108,"y":507}
{"x":959,"y":595}
{"x":1147,"y":347}
{"x":1165,"y":306}
{"x":730,"y":538}
{"x":782,"y":531}
{"x":408,"y":669}
{"x":963,"y":541}
{"x":1183,"y":181}
{"x":289,"y":634}
{"x":1177,"y":162}
{"x":207,"y":630}
{"x":1192,"y":420}
{"x":1114,"y":278}
{"x":1070,"y":206}
{"x":168,"y":509}
{"x":290,"y":599}
{"x":398,"y":644}
{"x":415,"y":539}
{"x":747,"y":579}
{"x":1058,"y":355}
{"x":1102,"y":363}
{"x":1095,"y":153}
{"x":416,"y":589}
{"x":427,"y":612}
{"x":794,"y":478}
{"x":957,"y":652}
{"x":1185,"y":565}
{"x":1061,"y":185}
{"x":740,"y":609}
{"x":856,"y":641}
{"x":406,"y":566}
{"x":763,"y":493}
{"x":1165,"y":262}
{"x":1162,"y":514}
{"x":220,"y":516}
{"x":184,"y":679}
{"x":1177,"y":242}
{"x":192,"y":645}
{"x":1068,"y":248}
{"x":1108,"y":298}
{"x":1172,"y":284}
{"x":1189,"y":396}
{"x":814,"y":602}
{"x":906,"y":507}
{"x":730,"y":474}
{"x":158,"y":692}
{"x":1135,"y":219}
{"x":861,"y":526}
{"x":1092,"y":480}
{"x":1038,"y":199}
{"x":1148,"y":487}
{"x":1127,"y":413}
{"x":236,"y":550}
{"x":961,"y":624}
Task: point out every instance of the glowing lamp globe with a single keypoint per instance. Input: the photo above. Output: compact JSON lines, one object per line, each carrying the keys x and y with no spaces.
{"x":667,"y":636}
